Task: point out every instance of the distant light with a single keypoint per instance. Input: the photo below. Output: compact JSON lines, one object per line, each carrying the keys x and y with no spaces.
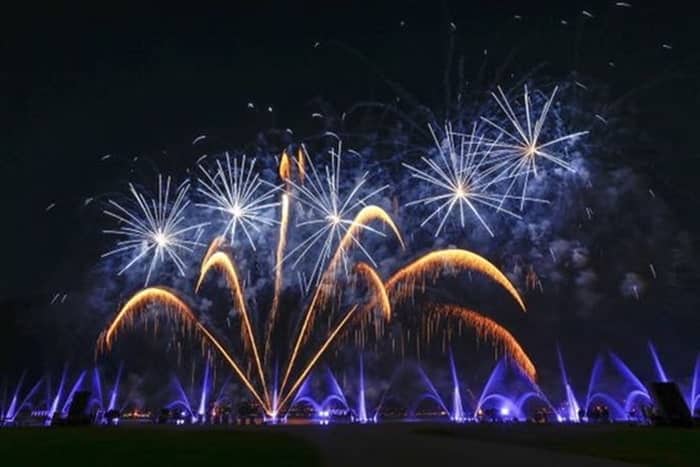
{"x":505,"y":411}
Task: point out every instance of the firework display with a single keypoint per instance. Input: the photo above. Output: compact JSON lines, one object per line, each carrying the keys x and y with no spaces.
{"x":326,"y":219}
{"x":304,"y":235}
{"x":330,"y":232}
{"x":332,"y":297}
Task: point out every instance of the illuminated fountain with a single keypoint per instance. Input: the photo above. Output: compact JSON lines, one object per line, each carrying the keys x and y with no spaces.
{"x":457,"y":414}
{"x":572,"y":405}
{"x":74,"y":388}
{"x":411,"y":393}
{"x":112,"y":405}
{"x":431,"y":394}
{"x":56,"y":399}
{"x":694,"y":401}
{"x":506,"y":393}
{"x":324,"y":395}
{"x":19,"y":402}
{"x":97,"y":401}
{"x":660,"y":372}
{"x":622,"y":396}
{"x":195,"y":408}
{"x":361,"y":401}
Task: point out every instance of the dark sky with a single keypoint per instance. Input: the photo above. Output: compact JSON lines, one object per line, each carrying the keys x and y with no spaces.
{"x":80,"y":84}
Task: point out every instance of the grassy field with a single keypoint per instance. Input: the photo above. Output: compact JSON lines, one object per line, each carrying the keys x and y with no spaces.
{"x":291,"y":446}
{"x":151,"y":446}
{"x":665,"y":447}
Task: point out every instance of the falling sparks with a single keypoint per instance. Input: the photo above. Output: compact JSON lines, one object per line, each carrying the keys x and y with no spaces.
{"x":174,"y":309}
{"x":403,"y":283}
{"x":155,"y":230}
{"x":382,"y":297}
{"x":223,"y":263}
{"x":235,"y":190}
{"x":140,"y":302}
{"x":489,"y":329}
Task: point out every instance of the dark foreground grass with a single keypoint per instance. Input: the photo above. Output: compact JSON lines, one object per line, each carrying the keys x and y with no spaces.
{"x":152,"y":446}
{"x":667,"y":447}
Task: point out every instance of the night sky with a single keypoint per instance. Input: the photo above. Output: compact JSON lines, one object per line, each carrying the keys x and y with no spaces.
{"x":82,"y":84}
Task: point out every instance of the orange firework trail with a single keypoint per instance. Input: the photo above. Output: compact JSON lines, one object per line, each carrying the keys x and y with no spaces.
{"x":325,"y":286}
{"x":177,"y":311}
{"x":174,"y":307}
{"x":213,"y":247}
{"x":278,"y":273}
{"x":362,"y":219}
{"x":223,"y":263}
{"x":301,"y":165}
{"x":490,"y":330}
{"x":318,"y":354}
{"x":232,"y":363}
{"x":285,"y":169}
{"x":360,"y":222}
{"x":380,"y":297}
{"x":403,"y":283}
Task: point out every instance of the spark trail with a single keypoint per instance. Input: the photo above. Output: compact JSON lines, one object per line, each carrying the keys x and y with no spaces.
{"x":403,"y":283}
{"x":492,"y":331}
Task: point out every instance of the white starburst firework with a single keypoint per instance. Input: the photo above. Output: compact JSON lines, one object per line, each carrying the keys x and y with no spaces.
{"x":461,"y":179}
{"x":516,"y":152}
{"x":155,"y":229}
{"x":239,"y":194}
{"x":330,"y":209}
